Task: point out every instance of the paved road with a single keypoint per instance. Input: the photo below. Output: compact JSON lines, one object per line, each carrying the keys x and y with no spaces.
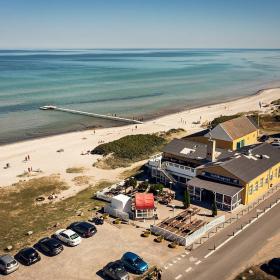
{"x":232,"y":255}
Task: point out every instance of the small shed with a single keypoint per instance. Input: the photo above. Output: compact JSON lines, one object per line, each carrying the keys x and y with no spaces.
{"x":119,"y":207}
{"x":121,"y":202}
{"x":144,"y":206}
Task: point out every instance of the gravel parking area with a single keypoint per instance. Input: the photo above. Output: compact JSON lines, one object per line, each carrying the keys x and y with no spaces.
{"x":85,"y":260}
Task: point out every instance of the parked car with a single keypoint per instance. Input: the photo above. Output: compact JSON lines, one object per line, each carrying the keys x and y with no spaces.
{"x":8,"y":264}
{"x":274,"y":267}
{"x":28,"y":256}
{"x":84,"y":229}
{"x":50,"y":246}
{"x":115,"y":270}
{"x":134,"y":263}
{"x":264,"y":138}
{"x":276,"y":144}
{"x":68,"y":236}
{"x":98,"y":221}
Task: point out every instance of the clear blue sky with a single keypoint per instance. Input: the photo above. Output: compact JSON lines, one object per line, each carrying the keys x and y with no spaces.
{"x":139,"y":23}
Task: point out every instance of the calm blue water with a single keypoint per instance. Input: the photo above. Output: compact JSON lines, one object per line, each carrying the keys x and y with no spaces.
{"x":123,"y":82}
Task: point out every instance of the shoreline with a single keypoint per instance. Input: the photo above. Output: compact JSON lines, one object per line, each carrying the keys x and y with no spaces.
{"x":150,"y":117}
{"x":44,"y":155}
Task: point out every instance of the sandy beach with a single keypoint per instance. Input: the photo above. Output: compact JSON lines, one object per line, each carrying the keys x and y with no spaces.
{"x":44,"y":156}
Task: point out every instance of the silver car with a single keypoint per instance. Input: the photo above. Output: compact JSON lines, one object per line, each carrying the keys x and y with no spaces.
{"x":8,"y":264}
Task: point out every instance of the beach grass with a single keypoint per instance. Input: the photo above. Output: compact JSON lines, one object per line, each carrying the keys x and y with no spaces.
{"x":128,"y":149}
{"x":20,"y":213}
{"x":133,"y":148}
{"x":75,"y":170}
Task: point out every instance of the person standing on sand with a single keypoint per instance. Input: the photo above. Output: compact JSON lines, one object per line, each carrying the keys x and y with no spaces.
{"x":260,"y":104}
{"x":28,"y":157}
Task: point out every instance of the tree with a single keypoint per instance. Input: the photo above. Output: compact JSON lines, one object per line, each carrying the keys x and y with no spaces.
{"x":156,"y":189}
{"x":143,"y":186}
{"x":186,"y":199}
{"x":214,"y":209}
{"x":131,"y":182}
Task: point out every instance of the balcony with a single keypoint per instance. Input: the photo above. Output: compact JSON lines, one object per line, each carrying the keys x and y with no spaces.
{"x":155,"y":161}
{"x":179,"y":169}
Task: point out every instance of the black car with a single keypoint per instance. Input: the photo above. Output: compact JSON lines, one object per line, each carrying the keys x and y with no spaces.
{"x":116,"y":271}
{"x":98,"y":221}
{"x":28,"y":256}
{"x":263,"y":138}
{"x":50,"y":246}
{"x":273,"y":267}
{"x":84,"y":229}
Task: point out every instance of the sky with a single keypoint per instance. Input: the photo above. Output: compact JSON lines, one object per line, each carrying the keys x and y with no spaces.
{"x":139,"y":24}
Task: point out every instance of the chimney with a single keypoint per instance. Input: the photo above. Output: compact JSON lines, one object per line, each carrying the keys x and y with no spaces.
{"x":211,"y":150}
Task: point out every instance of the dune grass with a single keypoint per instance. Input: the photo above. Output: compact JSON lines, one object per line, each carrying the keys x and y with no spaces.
{"x":75,"y":170}
{"x":19,"y":212}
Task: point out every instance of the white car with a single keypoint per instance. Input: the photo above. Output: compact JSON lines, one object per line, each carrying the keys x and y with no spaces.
{"x":276,"y":144}
{"x":68,"y":236}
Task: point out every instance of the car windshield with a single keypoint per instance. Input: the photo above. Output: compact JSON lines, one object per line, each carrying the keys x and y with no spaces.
{"x":138,"y":260}
{"x":74,"y":236}
{"x":11,"y":263}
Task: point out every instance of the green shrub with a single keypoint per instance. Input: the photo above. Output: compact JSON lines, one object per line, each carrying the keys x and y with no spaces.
{"x":131,"y":147}
{"x":156,"y":189}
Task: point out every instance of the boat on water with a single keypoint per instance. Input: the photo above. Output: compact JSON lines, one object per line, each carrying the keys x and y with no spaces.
{"x":48,"y":107}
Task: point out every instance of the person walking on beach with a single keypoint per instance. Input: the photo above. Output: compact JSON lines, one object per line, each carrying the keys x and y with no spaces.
{"x":28,"y":157}
{"x":260,"y":104}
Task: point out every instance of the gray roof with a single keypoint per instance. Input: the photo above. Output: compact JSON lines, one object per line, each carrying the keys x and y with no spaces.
{"x":247,"y":166}
{"x":233,"y":129}
{"x":214,"y":186}
{"x":192,"y":150}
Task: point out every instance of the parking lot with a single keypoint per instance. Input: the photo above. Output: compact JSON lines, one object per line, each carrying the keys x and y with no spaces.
{"x":85,"y":260}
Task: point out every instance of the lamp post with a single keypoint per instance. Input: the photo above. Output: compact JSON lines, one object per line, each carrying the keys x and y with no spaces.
{"x":173,"y":207}
{"x":190,"y":210}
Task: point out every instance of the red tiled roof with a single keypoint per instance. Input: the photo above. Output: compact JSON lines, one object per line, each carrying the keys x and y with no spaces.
{"x":144,"y":201}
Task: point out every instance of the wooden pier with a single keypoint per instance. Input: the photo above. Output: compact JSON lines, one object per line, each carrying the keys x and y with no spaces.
{"x":107,"y":117}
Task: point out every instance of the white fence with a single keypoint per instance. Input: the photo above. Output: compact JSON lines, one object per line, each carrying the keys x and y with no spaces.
{"x":200,"y":232}
{"x":188,"y":240}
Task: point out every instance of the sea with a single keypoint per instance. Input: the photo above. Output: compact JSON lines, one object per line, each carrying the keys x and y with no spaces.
{"x":131,"y":83}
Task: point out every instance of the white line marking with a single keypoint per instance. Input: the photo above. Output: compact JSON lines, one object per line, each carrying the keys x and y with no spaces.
{"x":170,"y":264}
{"x":178,"y":277}
{"x":187,"y":253}
{"x":188,"y":269}
{"x":238,"y":232}
{"x":183,"y":256}
{"x":178,"y":258}
{"x":198,"y":262}
{"x":174,"y":261}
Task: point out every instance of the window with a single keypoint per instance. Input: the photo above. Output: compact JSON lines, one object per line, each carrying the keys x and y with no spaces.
{"x":279,"y":172}
{"x":266,"y":179}
{"x":250,"y":189}
{"x":261,"y":182}
{"x":219,"y":197}
{"x":256,"y":186}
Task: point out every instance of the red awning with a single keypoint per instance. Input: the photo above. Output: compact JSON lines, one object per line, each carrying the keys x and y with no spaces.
{"x":144,"y":201}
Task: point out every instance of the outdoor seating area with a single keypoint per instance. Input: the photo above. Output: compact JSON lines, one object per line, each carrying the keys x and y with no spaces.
{"x":184,"y":223}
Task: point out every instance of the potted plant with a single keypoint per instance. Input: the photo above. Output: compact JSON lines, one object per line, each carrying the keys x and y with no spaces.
{"x":159,"y":239}
{"x":173,"y":244}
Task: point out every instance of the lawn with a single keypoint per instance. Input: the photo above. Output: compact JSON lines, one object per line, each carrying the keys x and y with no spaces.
{"x":20,"y":213}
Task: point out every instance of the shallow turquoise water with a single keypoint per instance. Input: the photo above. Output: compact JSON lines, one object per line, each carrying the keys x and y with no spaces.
{"x":123,"y":82}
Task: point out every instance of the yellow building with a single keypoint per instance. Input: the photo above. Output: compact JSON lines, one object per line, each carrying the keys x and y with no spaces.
{"x":233,"y":134}
{"x":239,"y":179}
